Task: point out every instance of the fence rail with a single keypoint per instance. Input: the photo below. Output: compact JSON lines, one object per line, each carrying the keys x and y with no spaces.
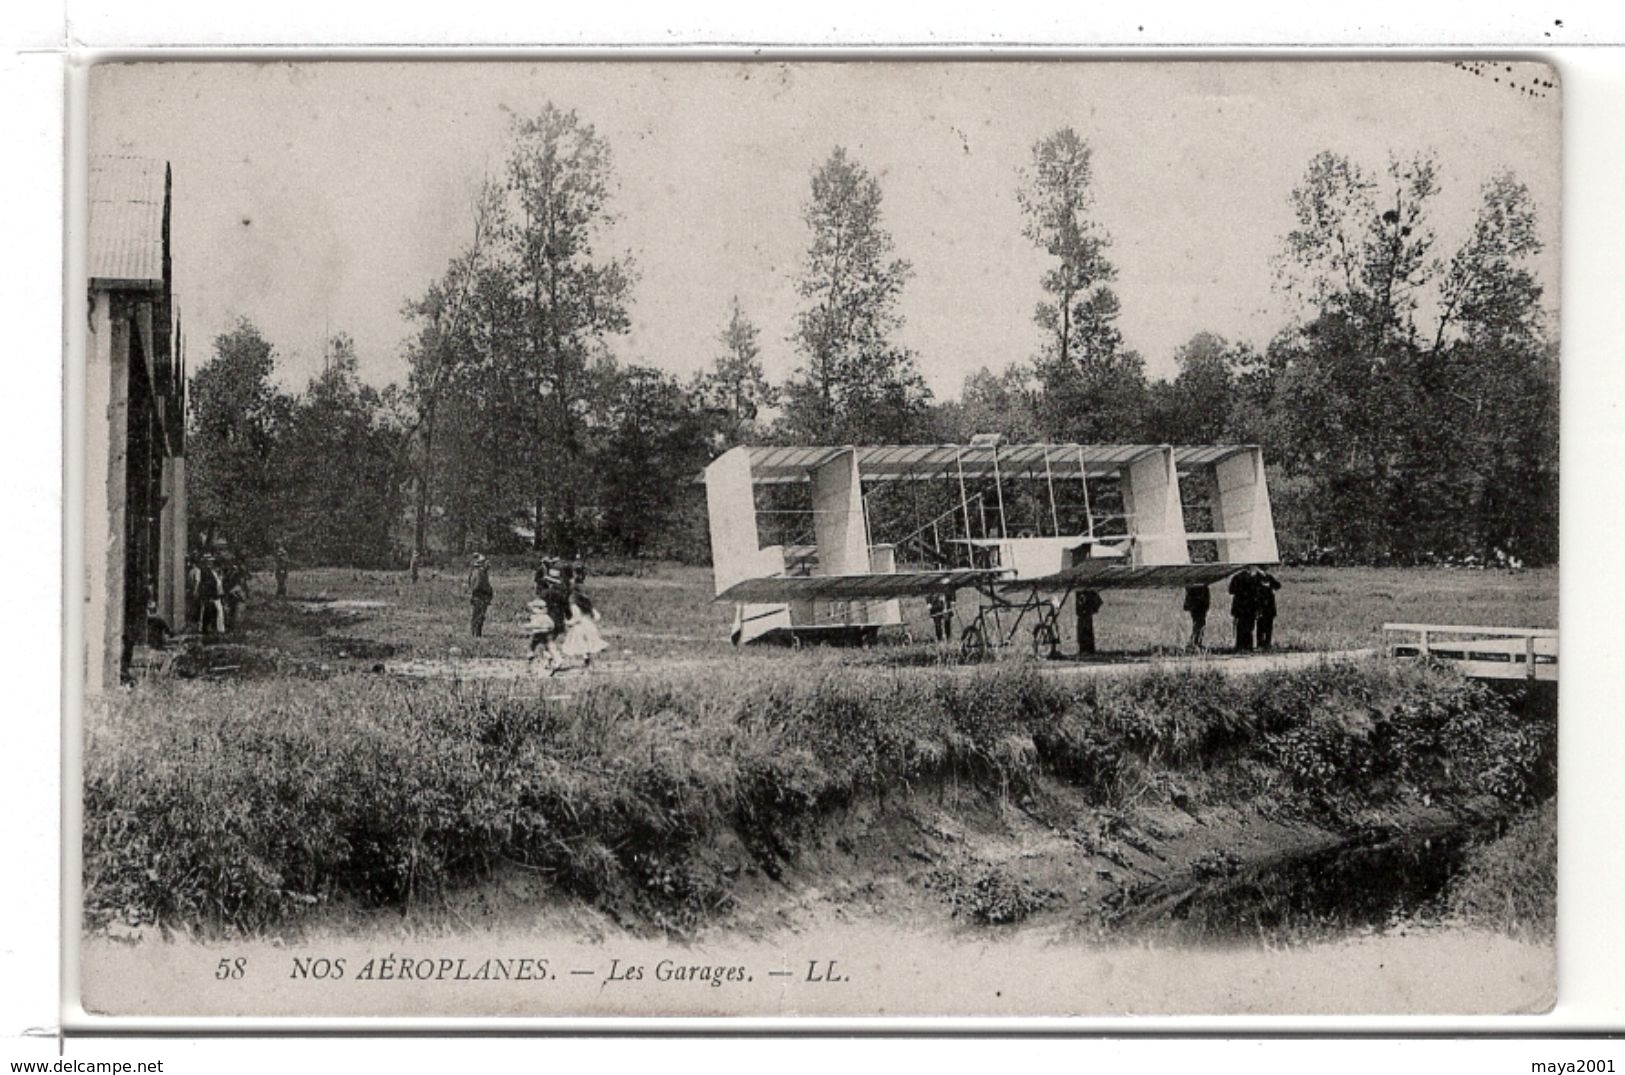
{"x":1481,"y":652}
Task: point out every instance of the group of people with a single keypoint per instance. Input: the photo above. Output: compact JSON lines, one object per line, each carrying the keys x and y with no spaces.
{"x":217,"y":592}
{"x":1252,"y":607}
{"x":561,"y":619}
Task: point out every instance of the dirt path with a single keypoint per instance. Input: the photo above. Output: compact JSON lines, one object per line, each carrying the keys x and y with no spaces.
{"x":1229,"y":664}
{"x":519,"y":669}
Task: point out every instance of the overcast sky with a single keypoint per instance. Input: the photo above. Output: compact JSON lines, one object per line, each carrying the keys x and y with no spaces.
{"x":316,"y":198}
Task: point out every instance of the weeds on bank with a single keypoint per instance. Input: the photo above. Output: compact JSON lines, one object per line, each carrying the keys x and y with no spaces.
{"x":251,"y":804}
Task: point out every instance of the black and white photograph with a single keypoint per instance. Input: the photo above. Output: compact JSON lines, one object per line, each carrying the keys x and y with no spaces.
{"x":813,"y":538}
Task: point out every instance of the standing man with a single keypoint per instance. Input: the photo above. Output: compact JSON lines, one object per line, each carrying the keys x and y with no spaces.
{"x":211,"y":594}
{"x":194,"y":583}
{"x":236,"y":595}
{"x":1265,"y":585}
{"x":942,"y":615}
{"x":281,"y":571}
{"x":1089,"y":603}
{"x":1243,"y":608}
{"x":1197,"y":602}
{"x":412,"y":564}
{"x":479,"y":593}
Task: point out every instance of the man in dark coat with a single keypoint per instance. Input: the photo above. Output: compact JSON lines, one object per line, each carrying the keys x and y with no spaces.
{"x":1243,"y":608}
{"x":1197,"y":602}
{"x":553,"y":588}
{"x":941,"y":606}
{"x":1265,"y":586}
{"x":480,"y":594}
{"x":281,"y":571}
{"x":1089,"y":603}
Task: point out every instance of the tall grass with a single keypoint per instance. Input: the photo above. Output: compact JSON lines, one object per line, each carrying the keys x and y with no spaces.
{"x":251,"y":804}
{"x":1510,"y":883}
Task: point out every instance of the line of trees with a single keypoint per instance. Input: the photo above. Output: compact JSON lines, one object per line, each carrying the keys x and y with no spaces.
{"x":1408,"y":411}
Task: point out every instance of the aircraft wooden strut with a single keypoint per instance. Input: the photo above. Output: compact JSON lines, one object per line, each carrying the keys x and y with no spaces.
{"x":844,"y":584}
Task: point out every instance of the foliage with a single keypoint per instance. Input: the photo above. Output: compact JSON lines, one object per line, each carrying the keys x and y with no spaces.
{"x":1416,"y":447}
{"x":348,"y":514}
{"x":1093,"y":390}
{"x":254,"y":804}
{"x":1208,"y":401}
{"x":237,"y":416}
{"x":653,"y":445}
{"x":856,"y":384}
{"x":1409,"y":414}
{"x":735,"y":391}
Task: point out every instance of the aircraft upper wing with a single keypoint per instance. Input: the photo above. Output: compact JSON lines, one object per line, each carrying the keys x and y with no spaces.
{"x":878,"y":586}
{"x":1116,"y":575}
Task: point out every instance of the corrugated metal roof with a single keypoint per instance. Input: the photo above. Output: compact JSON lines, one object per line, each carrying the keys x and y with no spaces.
{"x":784,"y":465}
{"x":127,"y":221}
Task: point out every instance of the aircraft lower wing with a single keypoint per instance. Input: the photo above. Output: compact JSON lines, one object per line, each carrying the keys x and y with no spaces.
{"x":878,"y":586}
{"x":1115,"y":575}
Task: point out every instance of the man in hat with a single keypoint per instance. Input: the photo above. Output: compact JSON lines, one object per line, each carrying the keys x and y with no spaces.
{"x":1243,"y":608}
{"x":1264,"y":587}
{"x":480,"y":593}
{"x":555,"y":591}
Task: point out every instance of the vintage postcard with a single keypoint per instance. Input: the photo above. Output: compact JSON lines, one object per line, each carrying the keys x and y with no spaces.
{"x":810,"y":538}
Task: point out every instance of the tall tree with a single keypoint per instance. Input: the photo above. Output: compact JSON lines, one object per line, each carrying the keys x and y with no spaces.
{"x":571,"y":301}
{"x":735,"y":390}
{"x":1495,"y":380}
{"x":1411,"y":444}
{"x":651,"y":445}
{"x":1057,"y":198}
{"x":339,"y":464}
{"x":1092,"y":389}
{"x":444,"y":348}
{"x":237,"y":416}
{"x":856,"y":383}
{"x":1361,"y":249}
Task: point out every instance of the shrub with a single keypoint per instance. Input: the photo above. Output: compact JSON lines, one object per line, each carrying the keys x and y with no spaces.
{"x":251,"y":804}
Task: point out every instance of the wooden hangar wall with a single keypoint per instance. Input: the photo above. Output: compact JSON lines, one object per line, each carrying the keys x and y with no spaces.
{"x":135,"y":397}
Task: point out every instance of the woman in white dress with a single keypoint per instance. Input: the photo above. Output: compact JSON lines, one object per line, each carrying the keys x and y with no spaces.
{"x":581,"y":636}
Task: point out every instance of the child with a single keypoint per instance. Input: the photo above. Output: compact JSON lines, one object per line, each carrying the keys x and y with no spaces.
{"x":541,"y":628}
{"x":581,"y":637}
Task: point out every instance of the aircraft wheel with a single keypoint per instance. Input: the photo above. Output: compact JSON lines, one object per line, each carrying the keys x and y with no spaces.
{"x":972,"y":644}
{"x":1044,"y":641}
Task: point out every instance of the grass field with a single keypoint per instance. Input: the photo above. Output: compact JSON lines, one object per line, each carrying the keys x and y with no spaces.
{"x":666,"y":614}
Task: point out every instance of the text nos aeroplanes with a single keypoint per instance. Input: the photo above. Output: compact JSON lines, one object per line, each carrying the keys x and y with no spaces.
{"x":1025,"y":525}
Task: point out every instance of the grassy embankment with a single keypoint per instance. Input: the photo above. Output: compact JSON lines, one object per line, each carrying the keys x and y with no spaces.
{"x":255,"y":805}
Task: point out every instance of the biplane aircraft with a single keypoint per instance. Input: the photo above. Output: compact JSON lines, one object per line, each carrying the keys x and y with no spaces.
{"x":1025,"y":525}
